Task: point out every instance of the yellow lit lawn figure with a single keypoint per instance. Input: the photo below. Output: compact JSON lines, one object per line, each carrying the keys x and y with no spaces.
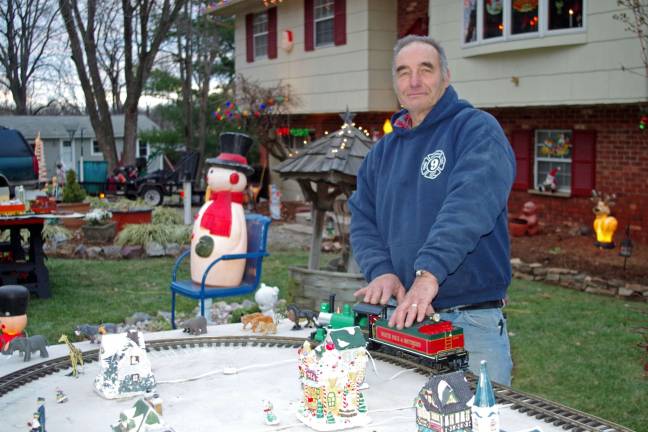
{"x":604,"y":224}
{"x":76,"y":356}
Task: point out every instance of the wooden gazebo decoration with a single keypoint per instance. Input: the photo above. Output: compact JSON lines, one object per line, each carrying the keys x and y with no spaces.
{"x":325,"y":169}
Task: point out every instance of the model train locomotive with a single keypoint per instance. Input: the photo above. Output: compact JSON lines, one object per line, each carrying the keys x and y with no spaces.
{"x":436,"y":342}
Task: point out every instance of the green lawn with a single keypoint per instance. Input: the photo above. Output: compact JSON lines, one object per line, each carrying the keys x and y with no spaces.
{"x":571,"y":347}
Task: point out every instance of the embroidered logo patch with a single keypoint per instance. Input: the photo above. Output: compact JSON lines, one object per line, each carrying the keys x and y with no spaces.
{"x":433,"y":164}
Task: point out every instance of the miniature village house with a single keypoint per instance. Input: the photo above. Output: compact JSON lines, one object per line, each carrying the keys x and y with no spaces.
{"x":331,"y":375}
{"x":125,"y":369}
{"x":442,"y":404}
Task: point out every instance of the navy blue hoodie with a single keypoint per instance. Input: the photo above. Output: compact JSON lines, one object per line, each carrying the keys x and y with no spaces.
{"x":434,"y":197}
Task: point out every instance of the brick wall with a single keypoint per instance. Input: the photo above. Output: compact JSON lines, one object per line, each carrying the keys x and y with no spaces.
{"x":621,"y":162}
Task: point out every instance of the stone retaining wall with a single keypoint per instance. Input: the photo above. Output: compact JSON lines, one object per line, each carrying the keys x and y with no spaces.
{"x":579,"y":281}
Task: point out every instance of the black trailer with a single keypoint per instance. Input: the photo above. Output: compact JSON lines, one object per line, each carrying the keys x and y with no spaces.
{"x":154,"y":186}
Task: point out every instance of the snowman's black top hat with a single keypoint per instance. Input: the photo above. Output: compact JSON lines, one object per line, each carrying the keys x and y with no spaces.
{"x":13,"y":300}
{"x":234,"y":148}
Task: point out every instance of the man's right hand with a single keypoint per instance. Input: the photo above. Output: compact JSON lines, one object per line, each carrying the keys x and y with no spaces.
{"x":381,"y":289}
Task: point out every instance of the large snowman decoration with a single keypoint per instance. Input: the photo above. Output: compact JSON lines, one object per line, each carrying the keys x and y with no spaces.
{"x":220,"y":227}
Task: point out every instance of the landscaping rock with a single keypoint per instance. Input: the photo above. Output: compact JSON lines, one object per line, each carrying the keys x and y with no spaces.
{"x":112,"y":252}
{"x":172,"y":249}
{"x":80,"y":251}
{"x":94,"y":252}
{"x":132,"y":252}
{"x":625,"y":292}
{"x":154,"y":249}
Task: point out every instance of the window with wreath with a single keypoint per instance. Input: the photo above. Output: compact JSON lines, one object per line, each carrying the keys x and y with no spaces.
{"x":491,"y":20}
{"x":553,"y":153}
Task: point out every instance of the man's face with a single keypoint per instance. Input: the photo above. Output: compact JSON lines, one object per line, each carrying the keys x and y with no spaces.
{"x":419,"y":81}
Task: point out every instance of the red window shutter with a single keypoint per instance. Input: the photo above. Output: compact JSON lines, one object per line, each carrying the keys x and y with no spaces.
{"x":249,"y":38}
{"x":583,"y":163}
{"x":339,"y":23}
{"x":272,"y":33}
{"x":522,"y":143}
{"x":309,"y":26}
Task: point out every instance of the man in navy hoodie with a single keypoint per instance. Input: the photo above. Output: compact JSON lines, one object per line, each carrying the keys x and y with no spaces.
{"x":429,"y":215}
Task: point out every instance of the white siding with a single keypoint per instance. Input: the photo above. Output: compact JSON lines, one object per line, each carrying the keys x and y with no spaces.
{"x":328,"y":79}
{"x":577,"y":68}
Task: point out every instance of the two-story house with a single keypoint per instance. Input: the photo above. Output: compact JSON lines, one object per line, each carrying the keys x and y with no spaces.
{"x":563,"y":77}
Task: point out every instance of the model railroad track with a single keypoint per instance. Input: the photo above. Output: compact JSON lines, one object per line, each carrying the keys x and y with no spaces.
{"x":534,"y":406}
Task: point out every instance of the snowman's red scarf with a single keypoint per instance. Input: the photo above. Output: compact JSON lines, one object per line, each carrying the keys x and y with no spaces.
{"x":218,"y":216}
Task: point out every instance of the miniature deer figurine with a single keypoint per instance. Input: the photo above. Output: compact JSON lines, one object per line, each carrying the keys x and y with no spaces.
{"x":604,"y":224}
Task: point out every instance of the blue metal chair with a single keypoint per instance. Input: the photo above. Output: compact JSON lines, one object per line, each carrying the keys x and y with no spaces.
{"x":257,"y":233}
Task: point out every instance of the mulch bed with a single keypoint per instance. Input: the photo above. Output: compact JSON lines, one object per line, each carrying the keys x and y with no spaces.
{"x":565,"y":247}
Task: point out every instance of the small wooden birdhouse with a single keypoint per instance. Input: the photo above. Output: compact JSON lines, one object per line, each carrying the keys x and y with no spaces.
{"x":442,"y":404}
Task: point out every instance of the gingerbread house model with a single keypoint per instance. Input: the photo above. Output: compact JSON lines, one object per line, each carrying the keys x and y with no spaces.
{"x":331,"y":375}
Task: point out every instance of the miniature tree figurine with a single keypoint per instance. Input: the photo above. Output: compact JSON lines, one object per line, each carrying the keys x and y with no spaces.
{"x":72,"y":191}
{"x":485,"y":413}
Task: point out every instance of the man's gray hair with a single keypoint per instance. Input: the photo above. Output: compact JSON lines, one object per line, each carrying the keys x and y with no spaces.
{"x":409,"y":39}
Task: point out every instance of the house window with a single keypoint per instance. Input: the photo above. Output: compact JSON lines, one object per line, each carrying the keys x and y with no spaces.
{"x":142,"y":149}
{"x":96,"y":150}
{"x":503,"y":20}
{"x":134,"y":360}
{"x":324,"y":25}
{"x":135,"y":377}
{"x":260,"y":34}
{"x":553,"y":159}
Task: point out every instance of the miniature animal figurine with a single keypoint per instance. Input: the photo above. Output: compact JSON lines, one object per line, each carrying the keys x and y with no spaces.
{"x":13,"y":313}
{"x":28,"y":345}
{"x":266,"y":297}
{"x":60,"y":396}
{"x":87,"y":331}
{"x":195,"y":326}
{"x":604,"y":224}
{"x":268,"y":411}
{"x":76,"y":356}
{"x":264,"y":327}
{"x":250,"y":319}
{"x":220,"y":227}
{"x":108,"y":328}
{"x":295,"y":314}
{"x":550,"y":184}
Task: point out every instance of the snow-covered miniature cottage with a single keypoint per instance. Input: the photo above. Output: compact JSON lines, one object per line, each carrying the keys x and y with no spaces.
{"x":141,"y":417}
{"x":443,"y":404}
{"x":331,"y":375}
{"x":125,"y":369}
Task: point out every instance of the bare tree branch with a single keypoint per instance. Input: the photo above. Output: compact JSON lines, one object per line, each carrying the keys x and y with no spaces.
{"x":26,"y":29}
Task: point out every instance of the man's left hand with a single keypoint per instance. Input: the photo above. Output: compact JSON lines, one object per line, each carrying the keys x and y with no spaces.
{"x":417,"y":303}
